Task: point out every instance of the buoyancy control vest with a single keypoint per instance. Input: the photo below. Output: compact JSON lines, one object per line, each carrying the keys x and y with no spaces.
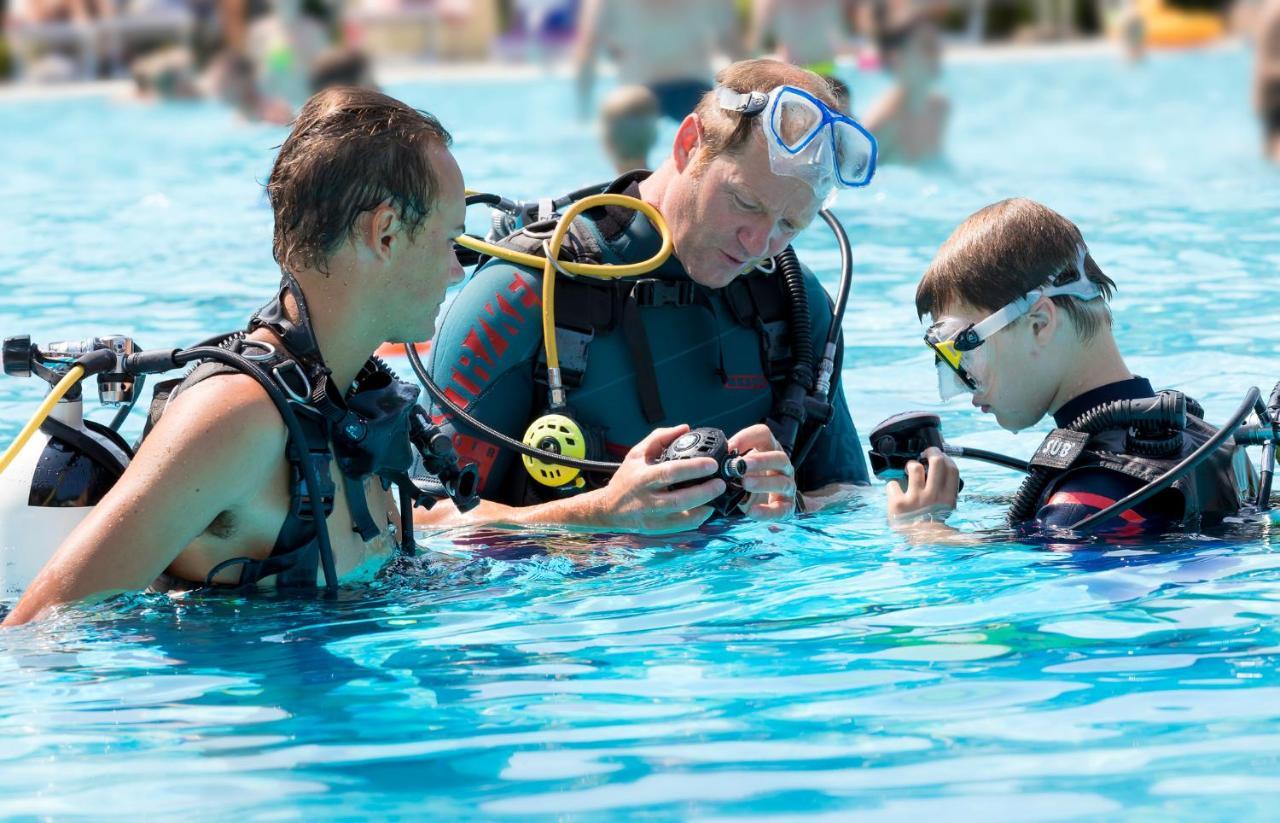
{"x":589,"y":307}
{"x":1142,"y":438}
{"x":371,"y":430}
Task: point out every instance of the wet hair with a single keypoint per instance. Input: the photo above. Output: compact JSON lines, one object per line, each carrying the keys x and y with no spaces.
{"x":1005,"y":251}
{"x":841,"y":92}
{"x":350,"y":150}
{"x":726,"y":132}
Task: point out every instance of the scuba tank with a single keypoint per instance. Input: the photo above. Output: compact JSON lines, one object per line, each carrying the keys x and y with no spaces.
{"x":66,"y":467}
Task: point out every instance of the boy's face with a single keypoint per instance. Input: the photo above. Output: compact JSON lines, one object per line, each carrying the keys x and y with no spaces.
{"x":1021,"y":365}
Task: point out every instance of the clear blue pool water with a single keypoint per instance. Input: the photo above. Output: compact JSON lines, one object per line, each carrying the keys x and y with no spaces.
{"x":810,"y":671}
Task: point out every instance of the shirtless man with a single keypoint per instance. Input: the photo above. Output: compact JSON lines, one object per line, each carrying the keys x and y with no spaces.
{"x":666,"y":45}
{"x":910,"y":119}
{"x":807,"y":33}
{"x":368,"y":202}
{"x":1266,"y":77}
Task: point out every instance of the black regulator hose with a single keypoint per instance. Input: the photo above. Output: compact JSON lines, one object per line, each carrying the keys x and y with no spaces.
{"x":1270,"y":419}
{"x":166,"y":360}
{"x":821,"y":389}
{"x":1185,"y":466}
{"x":984,"y":456}
{"x":492,"y":434}
{"x":1165,"y":409}
{"x":846,"y":275}
{"x":791,"y":409}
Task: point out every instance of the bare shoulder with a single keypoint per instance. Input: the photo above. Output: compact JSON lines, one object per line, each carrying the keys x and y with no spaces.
{"x":224,"y":420}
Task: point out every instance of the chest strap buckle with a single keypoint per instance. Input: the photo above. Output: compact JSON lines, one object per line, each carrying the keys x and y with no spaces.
{"x":652,"y":292}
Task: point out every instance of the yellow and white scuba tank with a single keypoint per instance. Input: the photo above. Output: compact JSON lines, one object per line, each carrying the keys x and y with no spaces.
{"x":49,"y":484}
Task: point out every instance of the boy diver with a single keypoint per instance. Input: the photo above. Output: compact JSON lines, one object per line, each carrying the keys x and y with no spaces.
{"x":368,"y":202}
{"x":1020,"y":322}
{"x":705,"y":338}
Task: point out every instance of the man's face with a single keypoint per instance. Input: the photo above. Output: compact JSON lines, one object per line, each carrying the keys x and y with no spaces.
{"x":429,"y":265}
{"x":733,"y":212}
{"x":1017,"y":378}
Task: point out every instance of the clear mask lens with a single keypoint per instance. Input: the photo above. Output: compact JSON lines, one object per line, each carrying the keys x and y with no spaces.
{"x":795,"y":119}
{"x":950,"y":386}
{"x":820,"y":146}
{"x":855,"y":152}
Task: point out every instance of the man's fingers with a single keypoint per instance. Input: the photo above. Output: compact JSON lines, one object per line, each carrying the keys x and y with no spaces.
{"x":652,"y":446}
{"x":661,"y":475}
{"x":772,"y":509}
{"x":893,"y":489}
{"x":687,"y":520}
{"x":768,"y":461}
{"x":769,"y":483}
{"x":678,"y":500}
{"x":753,"y":437}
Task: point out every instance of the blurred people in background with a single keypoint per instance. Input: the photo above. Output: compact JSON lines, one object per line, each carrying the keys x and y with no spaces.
{"x":167,"y":74}
{"x":1266,"y":77}
{"x":342,"y":66}
{"x":808,"y":33}
{"x":629,"y":126}
{"x":909,"y":121}
{"x":233,"y":80}
{"x":54,"y":40}
{"x":284,"y":46}
{"x":666,"y":45}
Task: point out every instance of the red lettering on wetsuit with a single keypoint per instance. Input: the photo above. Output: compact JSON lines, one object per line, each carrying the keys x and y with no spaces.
{"x":489,"y":338}
{"x":745,"y":382}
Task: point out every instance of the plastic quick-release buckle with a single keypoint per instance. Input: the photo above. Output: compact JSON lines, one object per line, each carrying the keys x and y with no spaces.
{"x":653,"y":292}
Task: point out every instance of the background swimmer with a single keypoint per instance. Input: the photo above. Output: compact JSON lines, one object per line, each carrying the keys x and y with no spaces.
{"x":1266,"y":77}
{"x":666,"y":45}
{"x":909,"y":121}
{"x":629,"y":126}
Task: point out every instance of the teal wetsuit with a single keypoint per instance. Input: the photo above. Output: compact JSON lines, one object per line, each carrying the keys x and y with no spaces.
{"x":712,"y":368}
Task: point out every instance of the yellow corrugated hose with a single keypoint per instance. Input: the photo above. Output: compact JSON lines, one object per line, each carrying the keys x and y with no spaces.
{"x":46,"y":408}
{"x":549,"y":265}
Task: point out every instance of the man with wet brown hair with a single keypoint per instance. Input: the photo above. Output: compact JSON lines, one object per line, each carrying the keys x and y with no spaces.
{"x":368,"y":202}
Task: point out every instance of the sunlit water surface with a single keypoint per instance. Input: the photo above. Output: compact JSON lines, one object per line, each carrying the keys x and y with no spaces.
{"x":811,"y":670}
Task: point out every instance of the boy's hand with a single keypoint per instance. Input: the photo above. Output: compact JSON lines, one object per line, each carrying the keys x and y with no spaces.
{"x":932,"y":495}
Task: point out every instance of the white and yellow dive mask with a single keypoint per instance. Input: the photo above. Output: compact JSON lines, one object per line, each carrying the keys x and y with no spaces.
{"x":957,"y":344}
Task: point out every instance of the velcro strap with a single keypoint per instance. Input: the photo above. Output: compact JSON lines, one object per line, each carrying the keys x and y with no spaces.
{"x":655,"y":292}
{"x":1060,"y":449}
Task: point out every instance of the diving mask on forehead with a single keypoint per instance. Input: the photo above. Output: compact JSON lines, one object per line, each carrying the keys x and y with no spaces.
{"x":807,"y":138}
{"x":957,"y":344}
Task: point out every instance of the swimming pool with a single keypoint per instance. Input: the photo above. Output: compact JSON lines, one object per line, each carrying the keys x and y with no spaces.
{"x":811,"y":670}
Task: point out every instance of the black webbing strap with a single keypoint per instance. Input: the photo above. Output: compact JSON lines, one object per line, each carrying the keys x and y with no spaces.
{"x":642,"y":358}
